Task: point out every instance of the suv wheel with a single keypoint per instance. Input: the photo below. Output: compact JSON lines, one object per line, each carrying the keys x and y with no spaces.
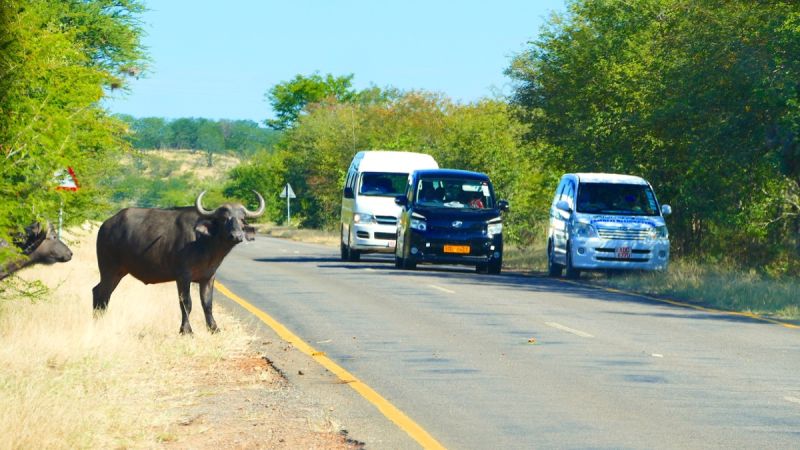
{"x":572,"y":273}
{"x":553,"y":268}
{"x":495,"y":266}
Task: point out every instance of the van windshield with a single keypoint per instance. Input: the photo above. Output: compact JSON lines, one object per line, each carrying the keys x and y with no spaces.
{"x":454,"y":193}
{"x":383,"y":184}
{"x":614,"y":198}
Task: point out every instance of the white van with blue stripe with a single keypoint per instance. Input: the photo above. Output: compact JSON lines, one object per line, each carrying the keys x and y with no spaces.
{"x":606,"y":221}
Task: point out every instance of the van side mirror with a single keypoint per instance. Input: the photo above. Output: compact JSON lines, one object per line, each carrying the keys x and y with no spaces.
{"x":401,"y":200}
{"x":666,"y":210}
{"x":348,"y":192}
{"x":563,"y":206}
{"x":503,"y":205}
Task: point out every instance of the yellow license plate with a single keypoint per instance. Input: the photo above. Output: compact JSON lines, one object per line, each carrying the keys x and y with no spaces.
{"x":464,"y":249}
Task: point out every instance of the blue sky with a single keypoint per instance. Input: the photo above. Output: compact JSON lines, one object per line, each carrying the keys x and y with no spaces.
{"x":217,"y":59}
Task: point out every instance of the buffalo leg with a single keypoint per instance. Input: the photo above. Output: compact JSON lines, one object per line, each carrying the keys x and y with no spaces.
{"x":206,"y":298}
{"x":101,"y":293}
{"x":185,"y":300}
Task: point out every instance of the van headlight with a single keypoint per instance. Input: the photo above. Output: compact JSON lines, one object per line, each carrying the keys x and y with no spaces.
{"x":584,"y":230}
{"x":658,"y":232}
{"x":495,"y":228}
{"x":364,"y":218}
{"x":418,"y":222}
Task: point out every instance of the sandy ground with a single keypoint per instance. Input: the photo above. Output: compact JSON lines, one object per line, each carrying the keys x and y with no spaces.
{"x":237,"y":401}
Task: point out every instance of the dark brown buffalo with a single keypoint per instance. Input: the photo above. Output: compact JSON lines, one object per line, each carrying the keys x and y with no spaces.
{"x":39,"y":245}
{"x":184,"y":245}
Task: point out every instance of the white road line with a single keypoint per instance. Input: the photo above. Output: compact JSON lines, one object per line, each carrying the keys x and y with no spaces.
{"x":792,"y":399}
{"x":569,"y":330}
{"x":370,"y":269}
{"x":442,"y":289}
{"x":657,"y":355}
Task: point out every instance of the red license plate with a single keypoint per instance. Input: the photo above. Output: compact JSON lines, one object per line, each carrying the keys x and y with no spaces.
{"x":623,"y":253}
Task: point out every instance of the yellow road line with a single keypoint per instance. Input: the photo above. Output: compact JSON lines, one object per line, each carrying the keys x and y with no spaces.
{"x":384,"y":406}
{"x":685,"y":305}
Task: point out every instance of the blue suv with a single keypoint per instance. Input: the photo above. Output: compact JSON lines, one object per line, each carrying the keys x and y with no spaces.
{"x":450,"y":217}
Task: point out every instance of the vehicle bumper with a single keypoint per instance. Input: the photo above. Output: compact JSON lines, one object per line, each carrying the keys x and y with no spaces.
{"x":374,"y":238}
{"x":598,"y":253}
{"x":430,"y":249}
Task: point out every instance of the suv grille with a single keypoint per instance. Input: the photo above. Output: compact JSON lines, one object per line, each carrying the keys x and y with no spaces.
{"x":619,"y":233}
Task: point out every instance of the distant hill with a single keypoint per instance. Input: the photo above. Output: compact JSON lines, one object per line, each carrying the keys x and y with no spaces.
{"x":167,"y":178}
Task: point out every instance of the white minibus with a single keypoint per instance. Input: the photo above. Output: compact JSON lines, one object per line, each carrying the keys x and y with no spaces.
{"x":369,"y":212}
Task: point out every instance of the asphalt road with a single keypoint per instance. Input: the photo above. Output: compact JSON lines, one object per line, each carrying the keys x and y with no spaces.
{"x":452,"y":349}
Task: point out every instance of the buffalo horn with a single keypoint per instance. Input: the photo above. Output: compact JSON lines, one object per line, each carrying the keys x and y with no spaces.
{"x":198,"y":204}
{"x":261,"y":206}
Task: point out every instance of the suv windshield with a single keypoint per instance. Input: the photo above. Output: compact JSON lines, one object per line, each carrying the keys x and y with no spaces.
{"x":613,"y":198}
{"x":454,"y":193}
{"x":383,"y":184}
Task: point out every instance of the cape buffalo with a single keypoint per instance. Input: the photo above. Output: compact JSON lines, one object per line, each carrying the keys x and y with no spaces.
{"x":184,"y":245}
{"x":39,"y":246}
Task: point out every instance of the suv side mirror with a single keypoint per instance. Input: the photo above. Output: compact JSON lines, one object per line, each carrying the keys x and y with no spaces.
{"x":401,"y":200}
{"x":503,"y":205}
{"x":348,"y":192}
{"x":563,"y":206}
{"x":666,"y":210}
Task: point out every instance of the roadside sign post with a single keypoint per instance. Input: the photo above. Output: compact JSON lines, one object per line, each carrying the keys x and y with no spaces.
{"x":289,"y":194}
{"x":67,"y":181}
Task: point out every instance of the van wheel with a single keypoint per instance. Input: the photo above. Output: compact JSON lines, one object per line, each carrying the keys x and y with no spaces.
{"x":409,"y":264}
{"x":343,"y":248}
{"x":349,"y":253}
{"x":553,"y":268}
{"x":572,"y":273}
{"x":398,"y":262}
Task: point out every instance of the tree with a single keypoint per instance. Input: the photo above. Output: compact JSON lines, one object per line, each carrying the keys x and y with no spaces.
{"x":58,"y":59}
{"x":290,"y":97}
{"x":210,"y":139}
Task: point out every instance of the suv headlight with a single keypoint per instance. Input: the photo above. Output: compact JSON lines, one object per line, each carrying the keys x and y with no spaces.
{"x":418,"y":222}
{"x":658,"y":232}
{"x":584,"y":230}
{"x":493,"y":229}
{"x":364,"y":218}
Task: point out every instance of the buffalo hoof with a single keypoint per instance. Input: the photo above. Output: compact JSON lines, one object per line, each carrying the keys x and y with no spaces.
{"x":187,"y":330}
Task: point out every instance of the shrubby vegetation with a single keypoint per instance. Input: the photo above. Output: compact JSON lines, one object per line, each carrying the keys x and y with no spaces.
{"x":316,"y":148}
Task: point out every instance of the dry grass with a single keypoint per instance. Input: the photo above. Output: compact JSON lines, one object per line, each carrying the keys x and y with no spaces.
{"x":70,"y":381}
{"x":129,"y":379}
{"x":196,"y":163}
{"x":718,"y":287}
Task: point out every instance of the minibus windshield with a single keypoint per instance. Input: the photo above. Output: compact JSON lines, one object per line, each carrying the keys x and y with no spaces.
{"x":383,"y":184}
{"x":615,"y":198}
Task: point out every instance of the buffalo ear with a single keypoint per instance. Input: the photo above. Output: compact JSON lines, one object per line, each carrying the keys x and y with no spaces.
{"x":203,"y":228}
{"x":249,"y":233}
